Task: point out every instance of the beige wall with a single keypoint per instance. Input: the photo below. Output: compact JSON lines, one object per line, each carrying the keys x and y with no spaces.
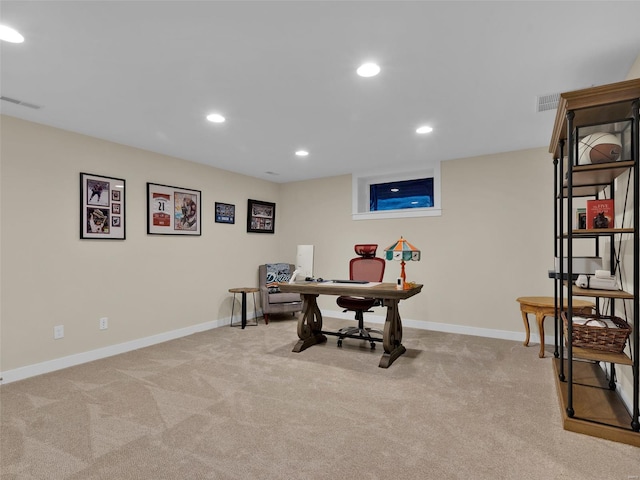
{"x":492,"y":244}
{"x":145,"y":285}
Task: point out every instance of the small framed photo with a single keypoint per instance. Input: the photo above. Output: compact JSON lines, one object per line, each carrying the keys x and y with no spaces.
{"x":225,"y":213}
{"x":261,"y":216}
{"x":173,"y":210}
{"x":581,"y":219}
{"x":97,"y":207}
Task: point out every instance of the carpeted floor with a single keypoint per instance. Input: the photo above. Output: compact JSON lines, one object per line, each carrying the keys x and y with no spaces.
{"x":238,"y":404}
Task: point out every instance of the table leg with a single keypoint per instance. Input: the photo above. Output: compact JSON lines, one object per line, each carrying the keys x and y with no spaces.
{"x":540,"y":319}
{"x":392,"y":338}
{"x":233,"y":307}
{"x":309,"y":324}
{"x":525,"y":319}
{"x":244,"y":309}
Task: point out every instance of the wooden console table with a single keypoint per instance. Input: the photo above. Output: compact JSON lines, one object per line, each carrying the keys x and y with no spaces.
{"x":543,"y":307}
{"x":310,"y":320}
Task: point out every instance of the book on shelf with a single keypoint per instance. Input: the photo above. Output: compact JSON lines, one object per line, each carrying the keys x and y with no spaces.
{"x":600,"y":213}
{"x":581,"y":218}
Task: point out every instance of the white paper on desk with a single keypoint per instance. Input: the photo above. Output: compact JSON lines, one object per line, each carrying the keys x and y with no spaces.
{"x":347,"y":284}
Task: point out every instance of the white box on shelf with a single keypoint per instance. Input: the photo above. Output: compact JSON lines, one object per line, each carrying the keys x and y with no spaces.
{"x":580,"y":265}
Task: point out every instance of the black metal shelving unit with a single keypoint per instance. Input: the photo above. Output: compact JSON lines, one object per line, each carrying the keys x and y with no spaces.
{"x":614,"y":109}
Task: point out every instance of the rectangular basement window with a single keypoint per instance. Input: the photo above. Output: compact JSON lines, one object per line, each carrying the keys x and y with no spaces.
{"x":397,"y":195}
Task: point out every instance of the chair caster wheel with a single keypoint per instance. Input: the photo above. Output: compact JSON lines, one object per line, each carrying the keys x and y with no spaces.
{"x":340,"y":343}
{"x":373,"y":346}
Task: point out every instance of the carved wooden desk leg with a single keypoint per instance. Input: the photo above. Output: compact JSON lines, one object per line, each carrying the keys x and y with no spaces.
{"x":309,"y":324}
{"x":392,"y":338}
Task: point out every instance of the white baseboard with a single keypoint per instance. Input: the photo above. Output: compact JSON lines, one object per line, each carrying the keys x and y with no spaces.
{"x":85,"y":357}
{"x":80,"y":358}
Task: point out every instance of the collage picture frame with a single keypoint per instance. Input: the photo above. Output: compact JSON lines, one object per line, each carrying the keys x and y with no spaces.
{"x":102,"y":207}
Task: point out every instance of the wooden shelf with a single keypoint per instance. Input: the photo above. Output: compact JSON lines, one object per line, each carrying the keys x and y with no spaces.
{"x":592,"y":292}
{"x":591,"y":106}
{"x":598,"y":356}
{"x":593,"y":178}
{"x":591,"y":233}
{"x":599,"y":412}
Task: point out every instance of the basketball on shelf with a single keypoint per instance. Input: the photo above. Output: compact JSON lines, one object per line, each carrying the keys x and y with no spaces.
{"x":599,"y":148}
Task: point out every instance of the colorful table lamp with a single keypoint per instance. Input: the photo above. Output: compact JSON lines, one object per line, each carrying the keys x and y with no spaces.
{"x":402,"y":251}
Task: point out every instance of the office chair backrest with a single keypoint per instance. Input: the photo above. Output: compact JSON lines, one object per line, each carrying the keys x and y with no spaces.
{"x":366,"y":267}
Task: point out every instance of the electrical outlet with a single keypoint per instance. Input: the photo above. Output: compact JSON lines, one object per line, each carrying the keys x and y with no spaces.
{"x":104,"y":323}
{"x":58,"y":332}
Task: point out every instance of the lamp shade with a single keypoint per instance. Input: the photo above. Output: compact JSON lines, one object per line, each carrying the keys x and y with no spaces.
{"x":402,"y":251}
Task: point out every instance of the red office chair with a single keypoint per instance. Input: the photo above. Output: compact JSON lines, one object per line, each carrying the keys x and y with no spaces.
{"x":366,"y":267}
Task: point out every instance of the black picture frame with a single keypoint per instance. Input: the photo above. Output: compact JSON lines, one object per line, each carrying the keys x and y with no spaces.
{"x":102,"y":207}
{"x":225,"y":212}
{"x":173,"y":210}
{"x":261,"y":216}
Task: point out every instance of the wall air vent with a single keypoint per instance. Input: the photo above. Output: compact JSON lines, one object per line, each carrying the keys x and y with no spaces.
{"x":548,"y":102}
{"x":20,"y":102}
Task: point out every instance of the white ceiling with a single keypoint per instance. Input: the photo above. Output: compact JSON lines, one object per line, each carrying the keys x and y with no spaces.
{"x":146,"y":73}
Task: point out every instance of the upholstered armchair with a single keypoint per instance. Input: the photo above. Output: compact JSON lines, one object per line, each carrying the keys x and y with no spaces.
{"x":274,"y":301}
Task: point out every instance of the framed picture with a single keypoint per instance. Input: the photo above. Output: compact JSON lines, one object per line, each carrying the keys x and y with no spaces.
{"x":581,"y":219}
{"x":261,"y":216}
{"x":102,"y":207}
{"x":225,"y":213}
{"x":173,"y":210}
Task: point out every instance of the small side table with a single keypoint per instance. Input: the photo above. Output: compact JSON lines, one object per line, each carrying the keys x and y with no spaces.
{"x":543,"y":307}
{"x":244,"y":291}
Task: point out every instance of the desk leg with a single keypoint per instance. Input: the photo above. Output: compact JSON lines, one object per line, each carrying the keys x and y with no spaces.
{"x":309,"y":324}
{"x":392,"y":338}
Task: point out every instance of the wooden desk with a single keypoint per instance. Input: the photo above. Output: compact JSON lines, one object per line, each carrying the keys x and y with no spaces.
{"x":543,"y":307}
{"x":310,"y":320}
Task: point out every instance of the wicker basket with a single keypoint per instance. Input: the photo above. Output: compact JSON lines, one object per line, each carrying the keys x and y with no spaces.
{"x":602,"y":338}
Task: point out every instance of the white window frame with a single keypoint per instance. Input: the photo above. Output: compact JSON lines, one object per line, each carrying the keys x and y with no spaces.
{"x":360,"y":190}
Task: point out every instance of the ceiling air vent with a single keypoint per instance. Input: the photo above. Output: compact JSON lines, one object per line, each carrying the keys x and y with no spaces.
{"x":20,"y":102}
{"x":548,"y":102}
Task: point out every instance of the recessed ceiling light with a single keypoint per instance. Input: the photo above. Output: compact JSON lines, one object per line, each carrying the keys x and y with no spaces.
{"x":8,"y":34}
{"x":368,"y":70}
{"x":302,"y":153}
{"x":424,"y":129}
{"x":216,"y":118}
